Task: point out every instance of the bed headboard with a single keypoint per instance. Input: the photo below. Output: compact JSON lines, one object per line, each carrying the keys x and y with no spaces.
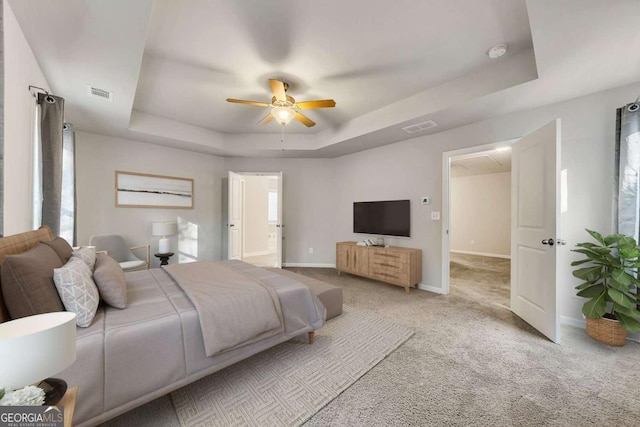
{"x":16,"y":244}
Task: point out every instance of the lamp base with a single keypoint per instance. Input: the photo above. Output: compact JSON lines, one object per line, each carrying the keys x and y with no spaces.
{"x":54,"y":389}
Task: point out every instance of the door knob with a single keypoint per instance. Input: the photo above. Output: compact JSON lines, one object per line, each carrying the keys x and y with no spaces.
{"x":231,"y":225}
{"x":561,"y":242}
{"x":549,"y":242}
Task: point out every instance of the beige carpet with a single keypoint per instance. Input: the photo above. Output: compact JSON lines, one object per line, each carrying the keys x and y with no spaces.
{"x":471,"y":362}
{"x":287,"y":384}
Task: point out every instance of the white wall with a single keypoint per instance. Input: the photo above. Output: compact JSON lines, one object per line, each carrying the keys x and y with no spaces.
{"x":308,"y":205}
{"x":480,"y":214}
{"x":256,"y":207}
{"x":98,"y":157}
{"x":21,"y":70}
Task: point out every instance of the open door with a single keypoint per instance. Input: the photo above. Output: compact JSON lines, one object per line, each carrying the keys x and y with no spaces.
{"x":279,"y":225}
{"x":235,"y":206}
{"x":535,"y":220}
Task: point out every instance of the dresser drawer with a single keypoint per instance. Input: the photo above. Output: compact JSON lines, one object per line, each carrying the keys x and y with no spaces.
{"x":390,"y":276}
{"x":394,"y":257}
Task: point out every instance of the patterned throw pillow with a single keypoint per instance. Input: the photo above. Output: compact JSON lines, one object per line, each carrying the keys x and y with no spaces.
{"x":88,"y":255}
{"x":77,"y":290}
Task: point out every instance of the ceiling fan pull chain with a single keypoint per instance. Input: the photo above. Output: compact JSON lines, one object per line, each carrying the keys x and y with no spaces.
{"x":282,"y":138}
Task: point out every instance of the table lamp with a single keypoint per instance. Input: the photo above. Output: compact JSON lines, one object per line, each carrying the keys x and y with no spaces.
{"x":35,"y":347}
{"x":164,"y":229}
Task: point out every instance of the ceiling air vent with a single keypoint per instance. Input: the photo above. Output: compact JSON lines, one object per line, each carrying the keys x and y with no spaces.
{"x":418,"y":127}
{"x":105,"y":95}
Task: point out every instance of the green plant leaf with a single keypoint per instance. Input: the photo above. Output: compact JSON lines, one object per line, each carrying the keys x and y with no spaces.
{"x":596,"y":236}
{"x":588,"y":274}
{"x":630,"y":253}
{"x":595,"y":308}
{"x":632,"y":312}
{"x":628,"y":323}
{"x":583,"y":285}
{"x":617,"y":285}
{"x":620,"y":298}
{"x":592,"y":292}
{"x":612,"y":238}
{"x":579,"y":262}
{"x":1,"y":393}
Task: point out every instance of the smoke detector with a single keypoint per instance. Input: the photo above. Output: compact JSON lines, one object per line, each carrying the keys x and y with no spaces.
{"x":497,"y":51}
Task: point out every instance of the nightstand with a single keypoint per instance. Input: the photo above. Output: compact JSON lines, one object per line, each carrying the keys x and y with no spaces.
{"x":68,"y":401}
{"x":164,"y":258}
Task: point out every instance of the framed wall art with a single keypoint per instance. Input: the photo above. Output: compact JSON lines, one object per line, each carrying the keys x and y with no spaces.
{"x":142,"y":190}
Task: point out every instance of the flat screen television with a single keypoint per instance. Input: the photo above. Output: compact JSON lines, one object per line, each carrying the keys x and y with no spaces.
{"x":387,"y":218}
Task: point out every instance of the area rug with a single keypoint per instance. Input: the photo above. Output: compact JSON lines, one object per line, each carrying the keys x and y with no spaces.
{"x":286,"y":385}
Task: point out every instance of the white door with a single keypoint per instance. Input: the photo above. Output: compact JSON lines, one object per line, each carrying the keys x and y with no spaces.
{"x":236,"y":200}
{"x":279,"y":225}
{"x":535,"y":219}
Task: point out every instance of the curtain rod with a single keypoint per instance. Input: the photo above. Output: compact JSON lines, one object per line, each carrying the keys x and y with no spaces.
{"x":39,"y":88}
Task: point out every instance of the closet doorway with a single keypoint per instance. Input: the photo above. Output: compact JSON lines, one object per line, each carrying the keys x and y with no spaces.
{"x":480,"y":224}
{"x":255,"y":218}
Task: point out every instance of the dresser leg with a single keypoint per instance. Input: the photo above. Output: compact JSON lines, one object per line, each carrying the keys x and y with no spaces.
{"x":311,"y":337}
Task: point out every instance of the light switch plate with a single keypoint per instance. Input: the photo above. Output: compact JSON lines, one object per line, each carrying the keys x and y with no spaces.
{"x":435,"y":216}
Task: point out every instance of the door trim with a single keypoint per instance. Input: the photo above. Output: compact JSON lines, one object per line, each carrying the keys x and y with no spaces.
{"x":446,"y":177}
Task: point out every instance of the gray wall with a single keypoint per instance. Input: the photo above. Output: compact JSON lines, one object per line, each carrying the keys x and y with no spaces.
{"x":98,"y":157}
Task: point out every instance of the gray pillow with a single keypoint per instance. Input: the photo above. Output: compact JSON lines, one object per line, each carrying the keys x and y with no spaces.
{"x":27,"y":282}
{"x":88,"y":255}
{"x":110,"y":280}
{"x":62,"y":248}
{"x":77,"y":290}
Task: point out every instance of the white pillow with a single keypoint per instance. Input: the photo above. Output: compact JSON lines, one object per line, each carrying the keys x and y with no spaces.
{"x":77,"y":290}
{"x":86,"y":254}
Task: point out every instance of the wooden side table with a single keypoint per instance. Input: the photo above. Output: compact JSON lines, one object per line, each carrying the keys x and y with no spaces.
{"x":164,"y":258}
{"x":68,"y":401}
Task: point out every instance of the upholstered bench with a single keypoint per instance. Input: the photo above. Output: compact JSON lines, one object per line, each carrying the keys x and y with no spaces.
{"x":329,"y":295}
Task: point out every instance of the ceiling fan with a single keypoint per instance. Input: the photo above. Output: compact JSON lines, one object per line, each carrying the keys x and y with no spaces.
{"x":284,"y":108}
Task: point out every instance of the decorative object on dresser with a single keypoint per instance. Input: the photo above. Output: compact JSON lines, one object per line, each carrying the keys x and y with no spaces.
{"x":395,"y":265}
{"x":164,"y":257}
{"x":164,"y":229}
{"x":35,"y":347}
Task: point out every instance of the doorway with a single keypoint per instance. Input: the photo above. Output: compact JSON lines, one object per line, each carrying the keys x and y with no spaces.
{"x":480,"y":225}
{"x":255,"y":218}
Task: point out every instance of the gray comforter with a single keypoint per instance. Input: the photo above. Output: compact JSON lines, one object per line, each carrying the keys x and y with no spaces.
{"x":239,"y":304}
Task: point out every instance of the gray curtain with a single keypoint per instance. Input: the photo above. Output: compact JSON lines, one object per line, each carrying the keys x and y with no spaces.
{"x":1,"y":120}
{"x":627,"y":169}
{"x":51,"y":124}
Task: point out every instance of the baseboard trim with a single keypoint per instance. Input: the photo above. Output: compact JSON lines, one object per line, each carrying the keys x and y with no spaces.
{"x":308,"y":264}
{"x":578,"y":323}
{"x":430,"y":289}
{"x":582,"y":324}
{"x":481,"y":254}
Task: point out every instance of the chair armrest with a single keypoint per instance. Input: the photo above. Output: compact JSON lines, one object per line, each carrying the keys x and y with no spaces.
{"x":148,"y":247}
{"x":103,"y":252}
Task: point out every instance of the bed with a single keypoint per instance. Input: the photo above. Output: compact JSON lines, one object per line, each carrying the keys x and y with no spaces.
{"x":130,"y":356}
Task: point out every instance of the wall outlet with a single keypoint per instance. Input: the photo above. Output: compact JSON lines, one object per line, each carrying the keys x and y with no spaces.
{"x":310,"y":250}
{"x":426,"y":200}
{"x":435,"y":216}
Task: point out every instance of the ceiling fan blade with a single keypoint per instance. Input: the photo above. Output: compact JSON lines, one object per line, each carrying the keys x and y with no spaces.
{"x":278,"y":89}
{"x":266,"y":120}
{"x":323,"y":103}
{"x":242,"y":101}
{"x":304,"y":120}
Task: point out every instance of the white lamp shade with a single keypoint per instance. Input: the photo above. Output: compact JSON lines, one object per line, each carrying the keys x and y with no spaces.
{"x":164,"y":228}
{"x":36,"y":347}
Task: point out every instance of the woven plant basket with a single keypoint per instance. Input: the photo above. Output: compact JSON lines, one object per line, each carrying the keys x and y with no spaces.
{"x":607,"y":331}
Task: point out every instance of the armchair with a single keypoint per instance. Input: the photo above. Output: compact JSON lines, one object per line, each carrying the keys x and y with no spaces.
{"x":117,"y":248}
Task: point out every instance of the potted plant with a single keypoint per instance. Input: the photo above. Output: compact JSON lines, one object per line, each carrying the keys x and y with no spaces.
{"x":609,"y":273}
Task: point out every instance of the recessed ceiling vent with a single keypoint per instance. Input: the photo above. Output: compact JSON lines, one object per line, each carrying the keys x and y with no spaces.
{"x":418,"y":127}
{"x":105,"y":95}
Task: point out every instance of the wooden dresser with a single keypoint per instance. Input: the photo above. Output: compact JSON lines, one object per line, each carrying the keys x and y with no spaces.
{"x":395,"y":265}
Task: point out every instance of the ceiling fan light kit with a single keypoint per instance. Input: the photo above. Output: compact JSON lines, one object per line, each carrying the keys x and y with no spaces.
{"x":283,"y":115}
{"x":284,"y":108}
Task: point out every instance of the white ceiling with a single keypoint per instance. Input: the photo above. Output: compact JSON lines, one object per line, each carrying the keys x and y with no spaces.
{"x":171,"y":65}
{"x":486,"y":162}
